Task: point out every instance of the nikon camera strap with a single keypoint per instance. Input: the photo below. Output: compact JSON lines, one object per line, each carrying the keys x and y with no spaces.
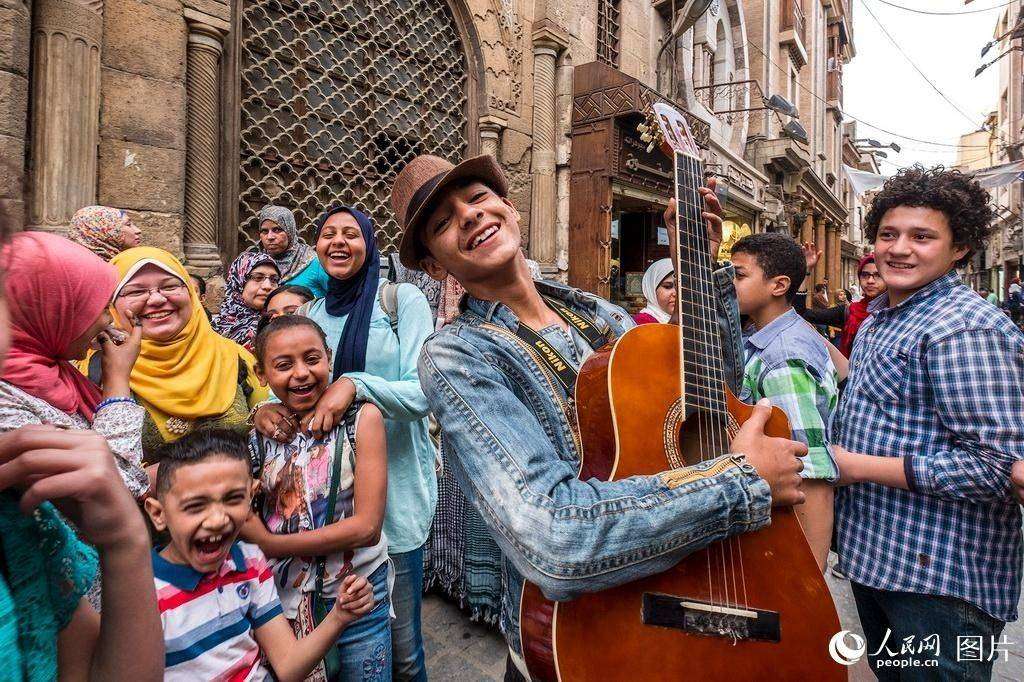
{"x":562,"y":368}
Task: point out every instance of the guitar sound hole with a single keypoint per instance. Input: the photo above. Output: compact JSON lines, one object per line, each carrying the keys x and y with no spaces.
{"x":703,"y":435}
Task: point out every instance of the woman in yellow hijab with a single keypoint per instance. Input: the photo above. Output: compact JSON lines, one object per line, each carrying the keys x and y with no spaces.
{"x":187,"y":375}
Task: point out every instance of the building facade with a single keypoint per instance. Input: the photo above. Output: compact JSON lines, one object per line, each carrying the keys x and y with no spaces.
{"x":802,"y":46}
{"x":854,"y":243}
{"x":979,"y":150}
{"x":999,"y":142}
{"x":192,"y":114}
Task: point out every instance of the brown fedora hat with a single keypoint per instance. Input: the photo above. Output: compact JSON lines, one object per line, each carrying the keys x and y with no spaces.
{"x":421,"y":182}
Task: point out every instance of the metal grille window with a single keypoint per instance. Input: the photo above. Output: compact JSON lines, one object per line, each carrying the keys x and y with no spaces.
{"x":337,"y":97}
{"x":608,"y":31}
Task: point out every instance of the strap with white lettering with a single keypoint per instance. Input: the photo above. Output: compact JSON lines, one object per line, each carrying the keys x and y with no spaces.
{"x":562,"y":368}
{"x":583,"y":324}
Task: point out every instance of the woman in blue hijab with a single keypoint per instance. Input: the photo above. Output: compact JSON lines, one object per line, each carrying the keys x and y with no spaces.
{"x":374,"y":362}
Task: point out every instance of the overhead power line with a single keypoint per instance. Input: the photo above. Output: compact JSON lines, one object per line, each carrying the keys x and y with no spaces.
{"x":951,"y":13}
{"x":879,"y":128}
{"x":921,"y":73}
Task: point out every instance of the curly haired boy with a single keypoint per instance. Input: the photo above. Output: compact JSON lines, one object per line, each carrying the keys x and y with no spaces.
{"x":926,"y":432}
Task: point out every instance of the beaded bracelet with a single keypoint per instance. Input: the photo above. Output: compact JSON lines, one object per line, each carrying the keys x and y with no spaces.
{"x":113,"y":401}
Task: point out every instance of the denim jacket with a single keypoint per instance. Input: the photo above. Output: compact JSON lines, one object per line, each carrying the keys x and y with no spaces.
{"x":512,"y":449}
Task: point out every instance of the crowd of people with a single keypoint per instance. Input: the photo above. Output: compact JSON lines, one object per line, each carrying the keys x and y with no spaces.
{"x":256,"y":492}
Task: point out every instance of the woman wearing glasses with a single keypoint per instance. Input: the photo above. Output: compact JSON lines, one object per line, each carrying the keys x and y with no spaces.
{"x":186,"y":375}
{"x":251,"y":277}
{"x":848,"y":317}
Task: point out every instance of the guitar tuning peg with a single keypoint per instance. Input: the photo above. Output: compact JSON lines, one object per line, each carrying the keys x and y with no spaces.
{"x":646,"y":137}
{"x":650,"y":147}
{"x":643,"y":128}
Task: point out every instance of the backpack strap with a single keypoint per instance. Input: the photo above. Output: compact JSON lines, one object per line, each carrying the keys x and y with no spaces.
{"x":332,"y":497}
{"x":389,"y":304}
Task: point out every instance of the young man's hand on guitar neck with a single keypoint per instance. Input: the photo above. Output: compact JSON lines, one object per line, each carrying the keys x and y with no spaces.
{"x":713,"y":215}
{"x":775,"y":459}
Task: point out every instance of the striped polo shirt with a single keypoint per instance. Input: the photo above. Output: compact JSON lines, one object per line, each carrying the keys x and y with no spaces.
{"x":209,"y":619}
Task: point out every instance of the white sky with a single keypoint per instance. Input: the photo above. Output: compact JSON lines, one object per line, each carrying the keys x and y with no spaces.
{"x":881,"y":87}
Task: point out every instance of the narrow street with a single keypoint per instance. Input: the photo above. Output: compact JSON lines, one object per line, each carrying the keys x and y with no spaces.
{"x":458,"y":650}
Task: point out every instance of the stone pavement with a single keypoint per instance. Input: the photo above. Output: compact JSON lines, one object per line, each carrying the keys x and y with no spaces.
{"x":462,"y":651}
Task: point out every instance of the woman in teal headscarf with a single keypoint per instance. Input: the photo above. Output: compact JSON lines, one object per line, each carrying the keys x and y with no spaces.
{"x":297,"y":261}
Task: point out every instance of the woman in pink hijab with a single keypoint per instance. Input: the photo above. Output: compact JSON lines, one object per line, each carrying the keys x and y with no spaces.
{"x":58,"y":293}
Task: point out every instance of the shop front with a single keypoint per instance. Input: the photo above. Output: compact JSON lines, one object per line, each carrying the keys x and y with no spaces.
{"x":618,"y":189}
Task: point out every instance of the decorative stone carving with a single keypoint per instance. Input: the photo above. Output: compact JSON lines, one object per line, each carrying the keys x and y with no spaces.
{"x":202,"y":151}
{"x":490,"y":127}
{"x":66,"y":39}
{"x":501,"y":42}
{"x":628,"y":98}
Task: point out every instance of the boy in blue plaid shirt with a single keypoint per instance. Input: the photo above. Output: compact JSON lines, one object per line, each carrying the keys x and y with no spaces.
{"x":928,"y":428}
{"x":789,"y":363}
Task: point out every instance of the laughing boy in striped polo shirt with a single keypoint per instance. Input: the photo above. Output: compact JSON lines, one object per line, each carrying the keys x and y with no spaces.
{"x":217,"y":598}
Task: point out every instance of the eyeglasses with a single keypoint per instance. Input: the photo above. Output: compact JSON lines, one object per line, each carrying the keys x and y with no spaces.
{"x":870,"y":275}
{"x":260,"y":278}
{"x":166,"y":290}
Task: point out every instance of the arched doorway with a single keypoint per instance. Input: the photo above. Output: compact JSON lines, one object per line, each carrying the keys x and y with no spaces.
{"x":336,"y":97}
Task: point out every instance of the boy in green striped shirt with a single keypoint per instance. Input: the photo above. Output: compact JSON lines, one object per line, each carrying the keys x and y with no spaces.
{"x":789,"y":363}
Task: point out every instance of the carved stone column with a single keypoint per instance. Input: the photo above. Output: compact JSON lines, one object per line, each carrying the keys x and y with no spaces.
{"x":548,"y":42}
{"x":820,"y":240}
{"x":490,"y":134}
{"x":835,"y":265}
{"x":202,"y":150}
{"x":65,"y":92}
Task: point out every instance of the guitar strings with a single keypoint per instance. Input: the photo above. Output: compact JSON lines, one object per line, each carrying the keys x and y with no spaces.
{"x":697,"y":310}
{"x":682,"y":301}
{"x":698,"y":228}
{"x":708,"y":425}
{"x":719,"y":373}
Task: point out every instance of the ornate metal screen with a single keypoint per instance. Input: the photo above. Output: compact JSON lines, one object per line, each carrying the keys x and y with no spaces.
{"x":608,"y":28}
{"x":337,"y":96}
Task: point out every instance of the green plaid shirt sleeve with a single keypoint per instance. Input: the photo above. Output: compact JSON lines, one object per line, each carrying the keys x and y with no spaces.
{"x":807,"y":401}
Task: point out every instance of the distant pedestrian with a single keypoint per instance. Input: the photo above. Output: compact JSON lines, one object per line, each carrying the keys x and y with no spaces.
{"x":1014,"y":304}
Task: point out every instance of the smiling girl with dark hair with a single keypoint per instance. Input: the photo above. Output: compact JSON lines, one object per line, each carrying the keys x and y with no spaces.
{"x":374,"y":360}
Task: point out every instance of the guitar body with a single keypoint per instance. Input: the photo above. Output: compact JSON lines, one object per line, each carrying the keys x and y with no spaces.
{"x":628,"y":400}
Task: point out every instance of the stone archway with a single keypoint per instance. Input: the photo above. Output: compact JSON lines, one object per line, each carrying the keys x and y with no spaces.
{"x":336,"y":97}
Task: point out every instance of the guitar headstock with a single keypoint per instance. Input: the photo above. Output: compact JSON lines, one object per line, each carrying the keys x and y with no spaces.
{"x":667,"y":128}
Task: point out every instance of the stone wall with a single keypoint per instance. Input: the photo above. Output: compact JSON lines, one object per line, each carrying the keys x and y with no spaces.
{"x":14,"y":68}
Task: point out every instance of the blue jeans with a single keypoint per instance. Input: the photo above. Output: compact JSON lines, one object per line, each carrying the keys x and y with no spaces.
{"x":406,"y":636}
{"x":365,"y":646}
{"x":920,"y":616}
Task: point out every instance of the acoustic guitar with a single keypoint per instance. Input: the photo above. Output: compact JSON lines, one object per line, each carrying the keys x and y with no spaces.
{"x":750,"y":607}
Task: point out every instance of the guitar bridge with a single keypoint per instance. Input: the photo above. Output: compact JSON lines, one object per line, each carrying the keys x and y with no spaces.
{"x":714,"y":620}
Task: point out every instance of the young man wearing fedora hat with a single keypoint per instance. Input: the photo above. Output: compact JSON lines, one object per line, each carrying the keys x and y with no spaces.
{"x":508,"y":429}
